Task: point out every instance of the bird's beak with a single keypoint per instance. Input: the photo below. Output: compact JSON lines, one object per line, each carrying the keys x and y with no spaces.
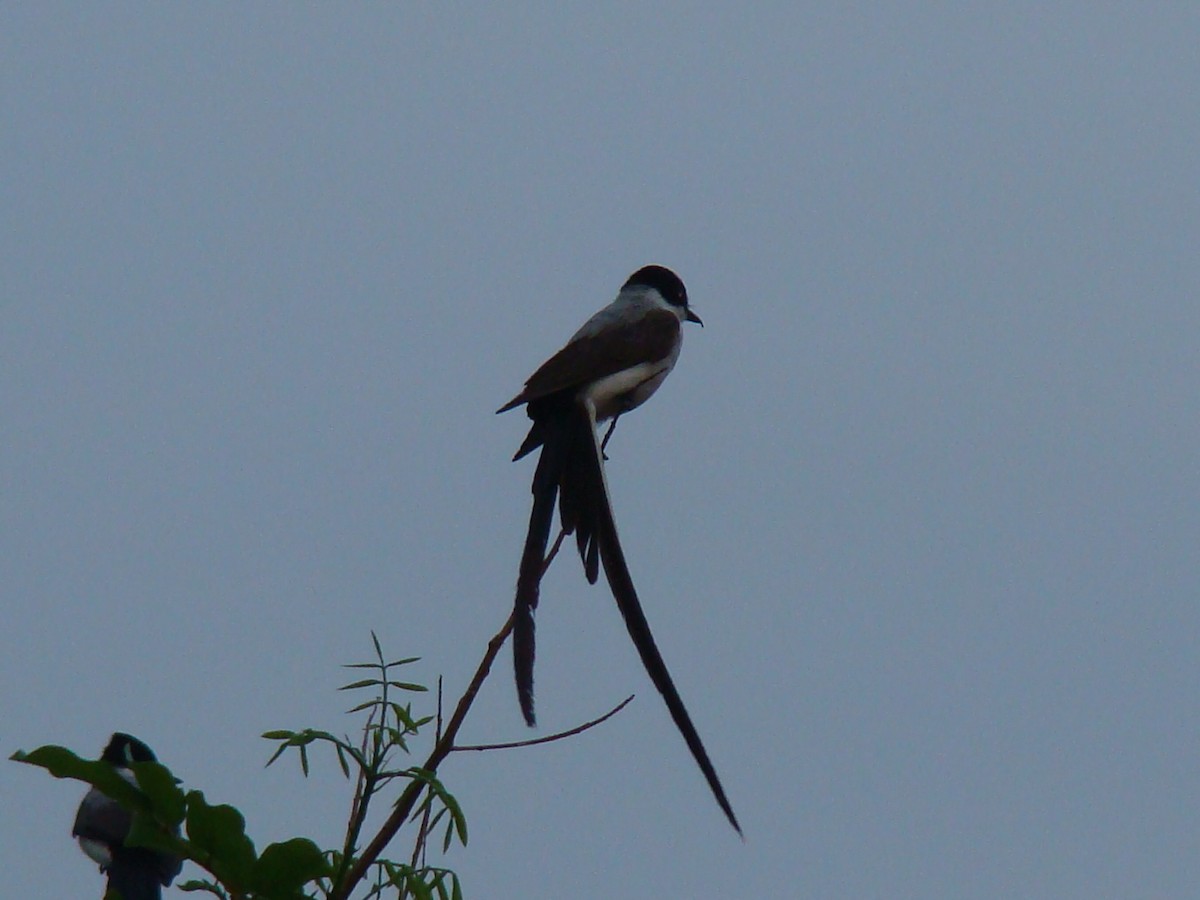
{"x":692,"y":317}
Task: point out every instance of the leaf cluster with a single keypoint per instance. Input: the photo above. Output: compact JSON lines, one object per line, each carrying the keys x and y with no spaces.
{"x":170,"y":819}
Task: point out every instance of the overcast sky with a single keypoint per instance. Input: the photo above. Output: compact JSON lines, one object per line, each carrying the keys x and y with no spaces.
{"x":915,"y":520}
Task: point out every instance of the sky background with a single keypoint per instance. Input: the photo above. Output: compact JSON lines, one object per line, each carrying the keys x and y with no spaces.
{"x":915,"y":520}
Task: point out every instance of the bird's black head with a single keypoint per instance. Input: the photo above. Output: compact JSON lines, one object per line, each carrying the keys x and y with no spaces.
{"x":662,"y":280}
{"x":124,"y":749}
{"x":668,"y":285}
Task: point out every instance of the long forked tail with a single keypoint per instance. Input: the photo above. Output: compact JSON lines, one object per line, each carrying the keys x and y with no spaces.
{"x":529,"y":578}
{"x":588,"y":466}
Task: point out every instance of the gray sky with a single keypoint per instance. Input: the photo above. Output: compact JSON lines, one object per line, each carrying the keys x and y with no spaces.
{"x":915,"y":520}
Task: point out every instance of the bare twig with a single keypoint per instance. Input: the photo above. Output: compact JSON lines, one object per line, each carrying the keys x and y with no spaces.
{"x":570,"y":732}
{"x":553,"y":551}
{"x":420,"y":845}
{"x":364,"y":787}
{"x":440,"y":695}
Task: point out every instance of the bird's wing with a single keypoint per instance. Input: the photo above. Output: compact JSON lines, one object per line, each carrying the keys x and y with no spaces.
{"x":101,"y":819}
{"x":591,"y":357}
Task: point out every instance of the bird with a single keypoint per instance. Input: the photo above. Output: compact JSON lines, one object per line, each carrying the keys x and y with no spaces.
{"x":613,"y":364}
{"x":102,"y":825}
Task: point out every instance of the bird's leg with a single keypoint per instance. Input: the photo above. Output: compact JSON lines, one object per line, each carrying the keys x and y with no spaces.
{"x":604,"y":443}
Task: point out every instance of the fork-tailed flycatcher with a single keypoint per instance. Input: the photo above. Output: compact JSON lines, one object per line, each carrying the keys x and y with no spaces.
{"x":611,"y":365}
{"x":102,"y":824}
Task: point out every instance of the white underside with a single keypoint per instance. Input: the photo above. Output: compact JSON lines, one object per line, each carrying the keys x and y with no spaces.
{"x":632,"y":387}
{"x":97,"y":851}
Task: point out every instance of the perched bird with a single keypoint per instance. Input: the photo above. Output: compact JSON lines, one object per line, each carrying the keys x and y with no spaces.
{"x":611,"y":365}
{"x":102,"y":824}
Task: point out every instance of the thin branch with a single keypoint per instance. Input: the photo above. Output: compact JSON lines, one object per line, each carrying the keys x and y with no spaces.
{"x":440,"y":696}
{"x":364,"y":787}
{"x":420,"y":845}
{"x":578,"y":729}
{"x":553,"y":551}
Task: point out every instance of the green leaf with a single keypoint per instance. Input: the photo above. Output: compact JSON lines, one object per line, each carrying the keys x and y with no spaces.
{"x":58,"y":761}
{"x":309,"y":736}
{"x":62,"y":763}
{"x":146,"y":832}
{"x":355,"y":685}
{"x":459,"y":820}
{"x":280,"y":750}
{"x":394,"y":872}
{"x":285,"y":867}
{"x":408,"y":686}
{"x":417,"y":886}
{"x":456,"y":813}
{"x":436,"y":817}
{"x":162,"y":789}
{"x":196,"y":884}
{"x":220,"y":832}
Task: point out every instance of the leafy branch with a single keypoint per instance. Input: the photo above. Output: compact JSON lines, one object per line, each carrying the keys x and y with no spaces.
{"x":170,"y":820}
